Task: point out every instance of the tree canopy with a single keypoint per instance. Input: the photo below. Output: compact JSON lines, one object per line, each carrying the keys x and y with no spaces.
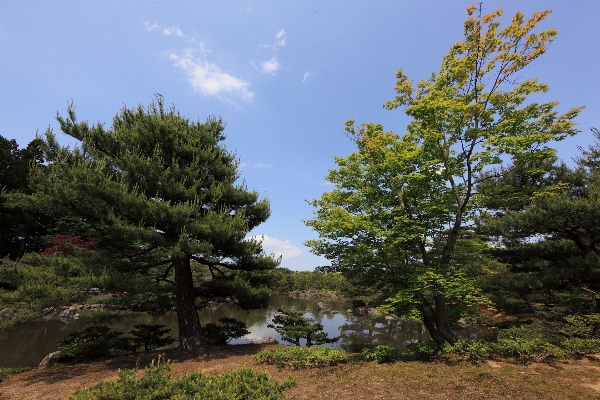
{"x":402,"y":211}
{"x":163,"y":197}
{"x":22,"y":231}
{"x":549,"y":240}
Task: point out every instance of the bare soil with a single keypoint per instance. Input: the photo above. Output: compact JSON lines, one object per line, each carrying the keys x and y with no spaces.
{"x":499,"y":379}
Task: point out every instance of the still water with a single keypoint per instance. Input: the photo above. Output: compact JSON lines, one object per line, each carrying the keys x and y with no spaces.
{"x":27,"y":344}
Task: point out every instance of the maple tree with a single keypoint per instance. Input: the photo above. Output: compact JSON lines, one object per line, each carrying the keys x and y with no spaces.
{"x":401,"y":214}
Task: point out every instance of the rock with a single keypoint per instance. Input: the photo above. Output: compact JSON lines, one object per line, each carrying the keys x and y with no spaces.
{"x":5,"y":313}
{"x":69,"y":312}
{"x":463,"y":323}
{"x":269,"y":340}
{"x":324,"y":307}
{"x":373,"y":312}
{"x":50,"y":360}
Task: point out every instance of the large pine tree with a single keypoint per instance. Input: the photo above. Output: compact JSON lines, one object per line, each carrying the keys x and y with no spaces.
{"x":163,"y":194}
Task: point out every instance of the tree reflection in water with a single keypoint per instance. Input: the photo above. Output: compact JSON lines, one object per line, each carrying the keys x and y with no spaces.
{"x":29,"y":343}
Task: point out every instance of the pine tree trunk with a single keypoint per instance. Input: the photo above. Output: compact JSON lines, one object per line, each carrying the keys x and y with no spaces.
{"x":190,"y":337}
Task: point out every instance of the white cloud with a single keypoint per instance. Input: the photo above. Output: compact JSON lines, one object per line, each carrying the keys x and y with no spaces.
{"x":279,"y":40}
{"x":261,"y":165}
{"x":209,"y":79}
{"x":280,"y":37}
{"x":268,"y":67}
{"x":257,"y":165}
{"x":151,"y":27}
{"x":278,"y":247}
{"x":167,"y":31}
{"x":305,"y":77}
{"x":173,"y":30}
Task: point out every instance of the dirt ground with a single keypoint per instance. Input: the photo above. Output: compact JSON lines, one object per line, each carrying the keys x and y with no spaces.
{"x":579,"y":379}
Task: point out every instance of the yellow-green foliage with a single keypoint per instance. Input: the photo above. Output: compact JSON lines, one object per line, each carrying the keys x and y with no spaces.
{"x":300,"y":357}
{"x":157,"y":383}
{"x":380,"y":353}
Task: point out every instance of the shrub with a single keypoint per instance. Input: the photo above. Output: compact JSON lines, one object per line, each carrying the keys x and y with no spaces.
{"x":92,"y":342}
{"x":300,"y":357}
{"x":472,"y":350}
{"x":293,"y":326}
{"x":422,"y":350}
{"x":525,"y":343}
{"x":582,"y":326}
{"x":150,"y":336}
{"x":156,"y":383}
{"x":230,"y":328}
{"x":381,"y":353}
{"x":356,"y":347}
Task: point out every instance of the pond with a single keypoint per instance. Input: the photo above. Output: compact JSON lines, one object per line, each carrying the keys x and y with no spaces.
{"x":27,"y":344}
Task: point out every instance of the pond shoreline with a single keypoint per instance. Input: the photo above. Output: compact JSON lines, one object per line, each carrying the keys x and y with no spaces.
{"x":358,"y":379}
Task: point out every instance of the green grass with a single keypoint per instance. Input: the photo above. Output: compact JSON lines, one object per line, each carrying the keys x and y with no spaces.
{"x":4,"y":372}
{"x":300,"y":357}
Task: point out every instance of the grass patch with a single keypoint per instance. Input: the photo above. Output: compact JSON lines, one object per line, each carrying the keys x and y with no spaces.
{"x":157,"y":383}
{"x":300,"y":357}
{"x":5,"y":372}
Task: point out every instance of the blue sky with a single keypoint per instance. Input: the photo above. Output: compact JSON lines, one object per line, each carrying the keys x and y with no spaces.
{"x":283,"y":75}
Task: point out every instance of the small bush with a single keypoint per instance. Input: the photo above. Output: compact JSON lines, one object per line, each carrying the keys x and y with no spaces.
{"x":586,"y":326}
{"x":534,"y":342}
{"x":230,"y":328}
{"x":472,"y":350}
{"x":293,"y":326}
{"x":381,"y":353}
{"x":150,"y":336}
{"x":156,"y":383}
{"x":300,"y":357}
{"x":94,"y":341}
{"x":356,"y":347}
{"x":422,"y":350}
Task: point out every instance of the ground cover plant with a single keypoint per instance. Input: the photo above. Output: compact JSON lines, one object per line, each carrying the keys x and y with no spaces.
{"x":5,"y":372}
{"x":435,"y":379}
{"x":525,"y":343}
{"x":381,"y":353}
{"x":157,"y":383}
{"x":300,"y":357}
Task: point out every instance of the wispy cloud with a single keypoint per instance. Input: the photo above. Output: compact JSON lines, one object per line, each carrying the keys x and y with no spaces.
{"x":279,"y":40}
{"x":257,"y":165}
{"x":261,"y":165}
{"x":279,"y":248}
{"x":167,"y":31}
{"x":280,"y":37}
{"x":208,"y":79}
{"x":306,"y":76}
{"x":268,"y":67}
